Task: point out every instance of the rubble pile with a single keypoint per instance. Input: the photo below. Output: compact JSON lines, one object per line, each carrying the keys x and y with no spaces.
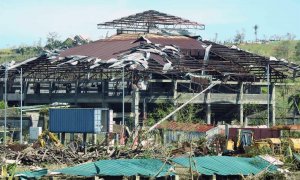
{"x":68,"y":155}
{"x":73,"y":154}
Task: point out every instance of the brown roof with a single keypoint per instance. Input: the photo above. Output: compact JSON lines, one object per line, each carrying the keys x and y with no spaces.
{"x":178,"y":126}
{"x":113,"y":46}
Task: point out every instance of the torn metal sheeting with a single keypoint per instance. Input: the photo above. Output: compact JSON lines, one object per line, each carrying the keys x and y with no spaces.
{"x":154,"y":54}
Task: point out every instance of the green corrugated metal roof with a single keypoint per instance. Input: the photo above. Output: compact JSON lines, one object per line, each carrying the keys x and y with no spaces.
{"x":207,"y":165}
{"x":32,"y":174}
{"x":225,"y":165}
{"x":120,"y":167}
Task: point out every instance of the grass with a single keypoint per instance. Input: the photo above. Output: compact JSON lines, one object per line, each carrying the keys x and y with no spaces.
{"x":270,"y":48}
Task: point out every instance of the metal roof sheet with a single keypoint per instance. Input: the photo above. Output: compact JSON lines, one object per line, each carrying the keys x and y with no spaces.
{"x":120,"y":167}
{"x":115,"y":45}
{"x":207,"y":165}
{"x":225,"y":165}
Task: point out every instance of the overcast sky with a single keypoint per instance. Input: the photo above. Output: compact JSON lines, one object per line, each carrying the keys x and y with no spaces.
{"x":24,"y":22}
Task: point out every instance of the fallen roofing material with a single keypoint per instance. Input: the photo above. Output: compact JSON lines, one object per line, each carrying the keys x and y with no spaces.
{"x":225,"y":165}
{"x":32,"y":174}
{"x":120,"y":167}
{"x":207,"y":165}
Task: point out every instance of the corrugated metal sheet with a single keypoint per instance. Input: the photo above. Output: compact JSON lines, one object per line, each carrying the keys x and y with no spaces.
{"x":112,"y":47}
{"x":225,"y":165}
{"x":180,"y":136}
{"x":86,"y":120}
{"x":207,"y":165}
{"x":120,"y":167}
{"x":32,"y":174}
{"x":259,"y":133}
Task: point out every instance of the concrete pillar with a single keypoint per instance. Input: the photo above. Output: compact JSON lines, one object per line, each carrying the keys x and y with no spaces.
{"x":50,"y":91}
{"x":273,"y":104}
{"x":208,"y":113}
{"x":63,"y":138}
{"x":174,"y":99}
{"x":72,"y":137}
{"x":135,"y":106}
{"x":104,"y":93}
{"x":25,"y":90}
{"x":84,"y":142}
{"x":241,"y":114}
{"x":226,"y":131}
{"x":59,"y":136}
{"x":241,"y":103}
{"x":1,"y":91}
{"x":94,"y":139}
{"x":105,"y":87}
{"x":35,"y":118}
{"x":208,"y":108}
{"x":145,"y":110}
{"x":76,"y":92}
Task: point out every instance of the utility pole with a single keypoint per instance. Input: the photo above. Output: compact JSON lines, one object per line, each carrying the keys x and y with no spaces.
{"x":123,"y":104}
{"x":21,"y":107}
{"x":268,"y":101}
{"x":5,"y":102}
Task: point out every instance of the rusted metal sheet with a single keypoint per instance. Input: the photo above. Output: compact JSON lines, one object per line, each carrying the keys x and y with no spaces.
{"x":259,"y":133}
{"x":112,"y":47}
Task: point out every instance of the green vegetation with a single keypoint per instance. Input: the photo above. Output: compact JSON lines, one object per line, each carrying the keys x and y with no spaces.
{"x":190,"y":113}
{"x":25,"y":52}
{"x":2,"y":104}
{"x":18,"y":54}
{"x":287,"y":49}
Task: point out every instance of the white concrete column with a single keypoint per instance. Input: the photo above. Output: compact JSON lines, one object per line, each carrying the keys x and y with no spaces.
{"x":208,"y":108}
{"x":174,"y":98}
{"x":94,"y":139}
{"x":241,"y":114}
{"x":135,"y":106}
{"x":273,"y":104}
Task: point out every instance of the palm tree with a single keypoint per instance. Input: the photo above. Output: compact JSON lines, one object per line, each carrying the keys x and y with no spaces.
{"x":255,"y":31}
{"x":294,"y":102}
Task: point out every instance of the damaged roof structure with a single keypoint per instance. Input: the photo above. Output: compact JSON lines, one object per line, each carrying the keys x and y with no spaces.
{"x":159,"y":56}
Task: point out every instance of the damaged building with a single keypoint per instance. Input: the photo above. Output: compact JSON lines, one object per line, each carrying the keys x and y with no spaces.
{"x":152,"y":59}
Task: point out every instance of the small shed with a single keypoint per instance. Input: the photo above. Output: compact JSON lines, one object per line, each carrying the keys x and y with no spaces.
{"x":258,"y":133}
{"x":179,"y":131}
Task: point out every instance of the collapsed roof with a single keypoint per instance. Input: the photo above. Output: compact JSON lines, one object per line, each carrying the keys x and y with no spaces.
{"x":167,"y":55}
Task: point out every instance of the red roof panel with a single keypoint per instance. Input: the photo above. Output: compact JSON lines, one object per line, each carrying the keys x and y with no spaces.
{"x":113,"y":46}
